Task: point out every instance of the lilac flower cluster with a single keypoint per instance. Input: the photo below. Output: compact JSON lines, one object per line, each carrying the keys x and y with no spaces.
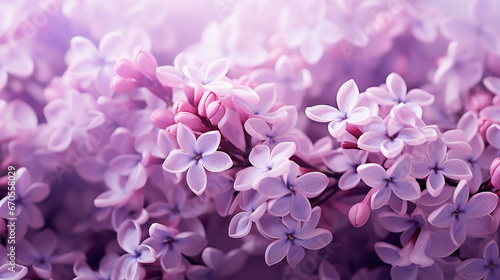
{"x":215,"y":139}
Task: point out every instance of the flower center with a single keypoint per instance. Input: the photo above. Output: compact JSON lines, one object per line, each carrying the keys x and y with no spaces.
{"x":197,"y":157}
{"x":456,"y":213}
{"x":290,"y":236}
{"x":491,"y":266}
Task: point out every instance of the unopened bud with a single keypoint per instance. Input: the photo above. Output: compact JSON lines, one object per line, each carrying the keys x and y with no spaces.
{"x":215,"y":112}
{"x":183,"y":106}
{"x":190,"y":120}
{"x":495,"y":173}
{"x":359,"y":214}
{"x":161,"y":118}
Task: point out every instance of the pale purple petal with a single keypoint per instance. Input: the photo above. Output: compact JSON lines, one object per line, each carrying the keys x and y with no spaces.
{"x":260,"y":156}
{"x":381,"y":96}
{"x":171,"y":259}
{"x":272,"y":226}
{"x":295,"y":254}
{"x":380,"y":198}
{"x":435,"y":183}
{"x":312,"y":183}
{"x":480,"y":204}
{"x":197,"y":178}
{"x":407,"y":189}
{"x":359,"y":116}
{"x":473,"y":269}
{"x":373,"y":175}
{"x":493,"y":135}
{"x":419,"y":97}
{"x":315,"y":239}
{"x":129,"y":236}
{"x":178,"y":161}
{"x":443,"y":216}
{"x":490,"y":253}
{"x":388,"y":253}
{"x":337,"y":162}
{"x":240,"y":225}
{"x":190,"y":243}
{"x":276,"y":251}
{"x":396,"y":85}
{"x":371,"y":141}
{"x":217,"y":69}
{"x":272,"y":188}
{"x":186,"y":139}
{"x":280,"y":206}
{"x":458,"y":232}
{"x":323,"y":113}
{"x":216,"y":162}
{"x":404,"y":272}
{"x":349,"y":180}
{"x":347,"y":96}
{"x":258,"y":128}
{"x":301,"y":208}
{"x":246,"y":177}
{"x":420,"y":167}
{"x":208,"y":142}
{"x":60,"y":139}
{"x":456,"y":169}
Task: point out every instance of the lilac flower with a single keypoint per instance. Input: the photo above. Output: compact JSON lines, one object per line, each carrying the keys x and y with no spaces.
{"x":292,"y":236}
{"x":254,"y":206}
{"x":486,"y":268}
{"x":396,"y":93}
{"x":347,"y":99}
{"x":312,"y":31}
{"x":70,"y":118}
{"x":170,"y":245}
{"x":275,"y":133}
{"x":265,"y":163}
{"x":390,"y":139}
{"x":493,"y":131}
{"x":461,"y":214}
{"x":395,"y":180}
{"x":346,"y":161}
{"x":39,"y":254}
{"x":95,"y":65}
{"x":129,"y":239}
{"x":435,"y":166}
{"x":15,"y":62}
{"x":290,"y":194}
{"x":195,"y":156}
{"x":27,"y":194}
{"x":212,"y":78}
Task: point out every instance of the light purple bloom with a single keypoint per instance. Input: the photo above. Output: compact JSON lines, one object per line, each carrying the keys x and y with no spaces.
{"x":346,"y":161}
{"x":435,"y":166}
{"x":396,"y":93}
{"x":290,"y":194}
{"x":129,"y":239}
{"x":254,"y":206}
{"x":461,"y":214}
{"x":292,"y":236}
{"x":348,"y":112}
{"x":395,"y":180}
{"x":169,"y":244}
{"x":266,"y":163}
{"x":487,"y":268}
{"x":195,"y":156}
{"x":6,"y":268}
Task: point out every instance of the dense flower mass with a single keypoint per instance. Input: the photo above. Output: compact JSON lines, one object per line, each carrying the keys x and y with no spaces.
{"x":249,"y":139}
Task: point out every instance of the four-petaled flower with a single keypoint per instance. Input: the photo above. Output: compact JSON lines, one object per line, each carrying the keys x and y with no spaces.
{"x":395,"y":180}
{"x":461,"y":214}
{"x":195,"y":156}
{"x":487,"y":268}
{"x":292,"y":236}
{"x":347,"y":99}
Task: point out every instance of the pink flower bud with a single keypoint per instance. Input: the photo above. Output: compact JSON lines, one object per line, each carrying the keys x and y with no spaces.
{"x":125,"y":69}
{"x":183,"y":106}
{"x":172,"y":130}
{"x":123,"y":85}
{"x":162,"y":118}
{"x":145,"y":62}
{"x":191,"y":120}
{"x":359,"y":214}
{"x":495,"y":173}
{"x":215,"y":112}
{"x":483,"y":125}
{"x":206,"y":100}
